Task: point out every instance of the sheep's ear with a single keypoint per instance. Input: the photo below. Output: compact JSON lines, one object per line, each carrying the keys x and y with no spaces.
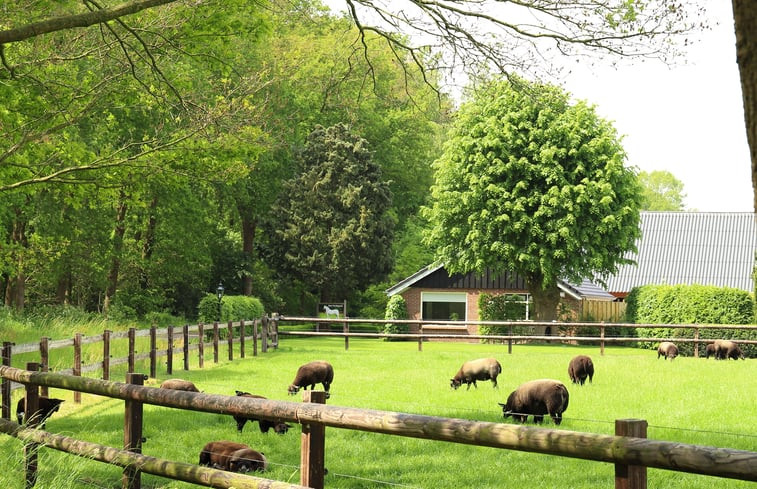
{"x":503,"y":405}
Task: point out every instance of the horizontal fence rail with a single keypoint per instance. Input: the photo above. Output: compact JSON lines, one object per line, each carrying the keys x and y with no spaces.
{"x":720,"y":462}
{"x":602,"y":338}
{"x":179,"y":471}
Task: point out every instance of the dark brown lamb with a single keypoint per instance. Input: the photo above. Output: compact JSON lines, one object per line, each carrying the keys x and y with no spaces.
{"x":278,"y":426}
{"x":47,"y":406}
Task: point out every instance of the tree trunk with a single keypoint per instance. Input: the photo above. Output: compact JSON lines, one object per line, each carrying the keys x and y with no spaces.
{"x":63,"y":289}
{"x":118,"y":244}
{"x":545,"y":300}
{"x":147,"y":247}
{"x":249,"y":226}
{"x":17,"y":284}
{"x":745,"y":23}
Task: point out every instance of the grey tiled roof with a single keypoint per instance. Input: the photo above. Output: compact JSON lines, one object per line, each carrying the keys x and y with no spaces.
{"x":708,"y":248}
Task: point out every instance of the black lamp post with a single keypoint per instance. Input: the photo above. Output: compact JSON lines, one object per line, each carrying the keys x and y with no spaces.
{"x":219,"y":293}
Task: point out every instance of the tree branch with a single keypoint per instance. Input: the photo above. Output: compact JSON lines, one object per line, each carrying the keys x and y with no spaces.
{"x":86,"y":19}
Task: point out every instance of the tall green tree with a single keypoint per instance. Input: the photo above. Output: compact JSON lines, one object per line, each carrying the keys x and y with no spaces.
{"x":332,"y":228}
{"x":661,"y":191}
{"x":533,"y":183}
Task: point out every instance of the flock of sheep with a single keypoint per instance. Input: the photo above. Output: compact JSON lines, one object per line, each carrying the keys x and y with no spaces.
{"x":720,"y":349}
{"x":535,"y":398}
{"x":238,"y":457}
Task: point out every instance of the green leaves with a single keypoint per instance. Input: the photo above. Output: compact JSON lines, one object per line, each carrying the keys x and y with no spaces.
{"x":539,"y":187}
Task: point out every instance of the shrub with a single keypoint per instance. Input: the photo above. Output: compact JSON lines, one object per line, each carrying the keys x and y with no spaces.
{"x":506,"y":307}
{"x":233,"y":308}
{"x":396,"y":308}
{"x":691,"y":304}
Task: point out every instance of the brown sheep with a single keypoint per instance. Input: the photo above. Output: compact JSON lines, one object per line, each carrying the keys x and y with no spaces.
{"x":216,"y":453}
{"x":278,"y":426}
{"x":310,"y":374}
{"x":725,"y":349}
{"x":537,"y":398}
{"x":667,"y":350}
{"x":247,"y":460}
{"x":711,"y":349}
{"x":47,"y":406}
{"x":579,"y":368}
{"x":473,"y":370}
{"x":179,"y":385}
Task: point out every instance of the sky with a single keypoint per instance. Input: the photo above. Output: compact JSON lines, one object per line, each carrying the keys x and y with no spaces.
{"x":687,"y":119}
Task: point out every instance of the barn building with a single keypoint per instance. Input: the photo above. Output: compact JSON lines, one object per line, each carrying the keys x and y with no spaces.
{"x":705,"y":248}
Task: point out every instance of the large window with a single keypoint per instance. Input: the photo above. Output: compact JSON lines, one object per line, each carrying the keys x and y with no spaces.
{"x":444,"y":306}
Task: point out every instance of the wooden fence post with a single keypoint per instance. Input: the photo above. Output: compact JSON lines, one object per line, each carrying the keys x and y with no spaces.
{"x":602,"y":340}
{"x":153,"y":351}
{"x":6,"y":384}
{"x":133,"y":433}
{"x":132,"y":347}
{"x":77,"y":364}
{"x":44,"y":360}
{"x":276,"y":331}
{"x":630,"y":476}
{"x":106,"y":354}
{"x":169,"y":352}
{"x":31,"y":420}
{"x":510,"y":340}
{"x":264,"y":334}
{"x":313,"y":446}
{"x":185,"y":349}
{"x":346,"y":330}
{"x":201,"y":344}
{"x":696,"y":342}
{"x":241,"y":338}
{"x":230,"y":339}
{"x":215,"y":342}
{"x":255,"y":338}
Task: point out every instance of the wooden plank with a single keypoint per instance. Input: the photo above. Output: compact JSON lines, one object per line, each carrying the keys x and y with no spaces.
{"x":630,"y":476}
{"x":313,"y":446}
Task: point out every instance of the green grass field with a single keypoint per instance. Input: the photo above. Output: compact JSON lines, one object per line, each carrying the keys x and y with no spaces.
{"x":688,"y":400}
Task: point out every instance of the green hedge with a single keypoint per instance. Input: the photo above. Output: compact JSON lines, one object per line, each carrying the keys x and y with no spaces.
{"x":692,"y":304}
{"x":503,"y":307}
{"x":396,"y":308}
{"x":233,"y":308}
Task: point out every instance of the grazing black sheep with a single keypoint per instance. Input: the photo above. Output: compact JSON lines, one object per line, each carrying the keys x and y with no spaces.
{"x":310,"y":374}
{"x":579,"y":368}
{"x":667,"y":350}
{"x":47,"y":406}
{"x":179,"y":385}
{"x":537,"y":398}
{"x":473,"y":370}
{"x":278,"y":426}
{"x":711,"y":349}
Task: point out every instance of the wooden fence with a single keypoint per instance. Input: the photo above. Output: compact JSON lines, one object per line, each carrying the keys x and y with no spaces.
{"x":602,"y":339}
{"x":601,"y":310}
{"x":264,"y":330}
{"x":629,"y":450}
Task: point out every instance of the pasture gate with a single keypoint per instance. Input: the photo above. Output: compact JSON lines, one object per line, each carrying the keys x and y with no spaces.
{"x":628,"y":449}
